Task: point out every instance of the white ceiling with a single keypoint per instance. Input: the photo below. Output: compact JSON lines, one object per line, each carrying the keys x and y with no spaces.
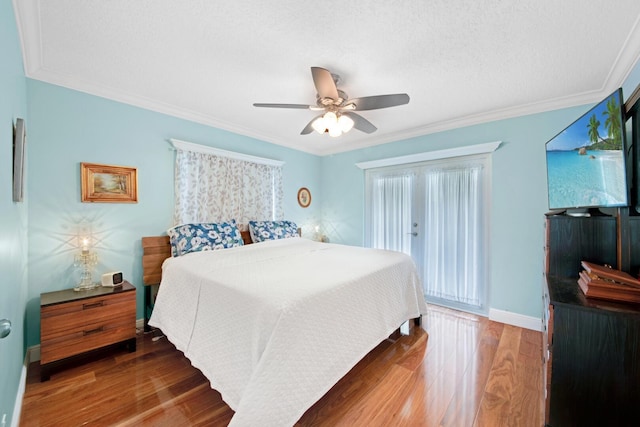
{"x":461,"y":62}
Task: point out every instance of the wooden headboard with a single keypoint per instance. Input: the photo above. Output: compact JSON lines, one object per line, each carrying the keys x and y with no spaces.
{"x":156,"y":249}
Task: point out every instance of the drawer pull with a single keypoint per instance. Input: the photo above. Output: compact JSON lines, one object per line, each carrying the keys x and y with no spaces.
{"x":93,"y":331}
{"x":93,"y":305}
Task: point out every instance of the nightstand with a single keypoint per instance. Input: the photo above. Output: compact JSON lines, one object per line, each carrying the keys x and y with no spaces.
{"x":74,"y":323}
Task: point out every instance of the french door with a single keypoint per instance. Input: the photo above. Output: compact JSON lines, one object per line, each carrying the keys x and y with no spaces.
{"x":437,"y":213}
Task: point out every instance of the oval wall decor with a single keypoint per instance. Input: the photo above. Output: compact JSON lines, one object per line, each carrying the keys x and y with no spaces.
{"x":304,"y":197}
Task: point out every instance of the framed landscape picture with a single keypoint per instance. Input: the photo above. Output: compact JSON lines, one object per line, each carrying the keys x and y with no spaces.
{"x":108,"y":184}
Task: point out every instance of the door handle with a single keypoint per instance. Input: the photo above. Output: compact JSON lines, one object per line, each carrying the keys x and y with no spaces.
{"x":415,"y":233}
{"x":5,"y":327}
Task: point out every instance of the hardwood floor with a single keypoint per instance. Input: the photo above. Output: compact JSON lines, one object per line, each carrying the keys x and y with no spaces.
{"x":457,"y":370}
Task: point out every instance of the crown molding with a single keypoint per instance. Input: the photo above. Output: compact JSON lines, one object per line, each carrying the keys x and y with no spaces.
{"x":27,"y":18}
{"x":317,"y":149}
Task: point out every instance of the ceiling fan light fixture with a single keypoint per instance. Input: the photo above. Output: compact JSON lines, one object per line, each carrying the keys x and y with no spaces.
{"x":332,"y":123}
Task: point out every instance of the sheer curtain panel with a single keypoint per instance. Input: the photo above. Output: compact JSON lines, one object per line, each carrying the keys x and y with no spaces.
{"x":390,"y":211}
{"x":453,"y":262}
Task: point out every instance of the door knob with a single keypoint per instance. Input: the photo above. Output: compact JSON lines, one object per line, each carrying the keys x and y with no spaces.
{"x":5,"y":328}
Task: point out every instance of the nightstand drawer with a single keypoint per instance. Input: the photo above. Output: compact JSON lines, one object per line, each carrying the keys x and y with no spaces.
{"x":87,"y":338}
{"x":69,"y":318}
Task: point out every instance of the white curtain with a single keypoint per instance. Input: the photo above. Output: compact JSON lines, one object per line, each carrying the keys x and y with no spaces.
{"x":452,"y":238}
{"x":390,"y":211}
{"x":434,"y":211}
{"x":211,"y":188}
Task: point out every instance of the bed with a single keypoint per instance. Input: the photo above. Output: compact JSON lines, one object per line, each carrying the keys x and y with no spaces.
{"x":274,"y":325}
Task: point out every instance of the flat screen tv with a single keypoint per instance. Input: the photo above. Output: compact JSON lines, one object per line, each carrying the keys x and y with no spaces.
{"x":586,"y":161}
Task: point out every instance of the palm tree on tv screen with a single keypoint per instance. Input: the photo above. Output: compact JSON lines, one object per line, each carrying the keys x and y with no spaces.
{"x":612,"y":123}
{"x":592,"y":127}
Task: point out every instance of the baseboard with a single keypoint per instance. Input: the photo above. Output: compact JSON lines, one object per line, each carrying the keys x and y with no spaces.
{"x":22,"y":385}
{"x":515,"y":319}
{"x":33,"y":353}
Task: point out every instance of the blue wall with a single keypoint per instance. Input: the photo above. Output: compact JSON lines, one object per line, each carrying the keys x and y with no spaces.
{"x":632,"y":80}
{"x":518,"y":199}
{"x":69,"y":127}
{"x":13,"y":216}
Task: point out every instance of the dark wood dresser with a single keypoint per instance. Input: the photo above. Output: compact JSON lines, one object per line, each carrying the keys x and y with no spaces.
{"x":591,"y":347}
{"x":593,"y":370}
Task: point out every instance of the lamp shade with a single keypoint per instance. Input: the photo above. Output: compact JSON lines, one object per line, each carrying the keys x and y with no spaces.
{"x":318,"y":125}
{"x":345,"y":123}
{"x":334,"y":130}
{"x":330,"y":116}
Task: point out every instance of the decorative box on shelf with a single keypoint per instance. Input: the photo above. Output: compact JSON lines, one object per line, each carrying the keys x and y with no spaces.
{"x":602,"y":282}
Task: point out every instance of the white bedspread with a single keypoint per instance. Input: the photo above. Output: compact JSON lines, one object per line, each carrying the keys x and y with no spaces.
{"x":275,"y":325}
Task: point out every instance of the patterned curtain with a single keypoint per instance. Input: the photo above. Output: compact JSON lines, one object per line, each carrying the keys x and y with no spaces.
{"x":212,"y":188}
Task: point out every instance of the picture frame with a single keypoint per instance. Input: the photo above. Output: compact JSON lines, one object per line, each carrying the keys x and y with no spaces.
{"x":304,"y":197}
{"x":108,"y":183}
{"x":19,"y":141}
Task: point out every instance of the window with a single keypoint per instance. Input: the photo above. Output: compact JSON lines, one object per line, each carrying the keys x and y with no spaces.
{"x":215,"y":185}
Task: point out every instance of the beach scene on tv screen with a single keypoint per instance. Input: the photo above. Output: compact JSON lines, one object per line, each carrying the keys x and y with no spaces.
{"x":585,"y":162}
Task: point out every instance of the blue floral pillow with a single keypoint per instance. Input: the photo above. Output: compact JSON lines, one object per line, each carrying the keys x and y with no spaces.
{"x":272,"y":230}
{"x":204,"y":237}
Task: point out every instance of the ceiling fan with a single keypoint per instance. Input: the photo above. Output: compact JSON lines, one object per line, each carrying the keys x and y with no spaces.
{"x":338,"y":115}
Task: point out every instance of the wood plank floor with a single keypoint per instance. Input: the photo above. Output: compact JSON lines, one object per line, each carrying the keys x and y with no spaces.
{"x":457,"y":370}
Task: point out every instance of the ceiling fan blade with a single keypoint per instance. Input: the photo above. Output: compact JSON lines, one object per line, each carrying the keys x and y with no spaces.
{"x":323,"y":80}
{"x":300,"y":106}
{"x":360,"y":122}
{"x":379,"y":101}
{"x":309,"y":128}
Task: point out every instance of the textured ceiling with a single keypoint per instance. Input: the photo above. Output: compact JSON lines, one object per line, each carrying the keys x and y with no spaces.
{"x":461,"y":62}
